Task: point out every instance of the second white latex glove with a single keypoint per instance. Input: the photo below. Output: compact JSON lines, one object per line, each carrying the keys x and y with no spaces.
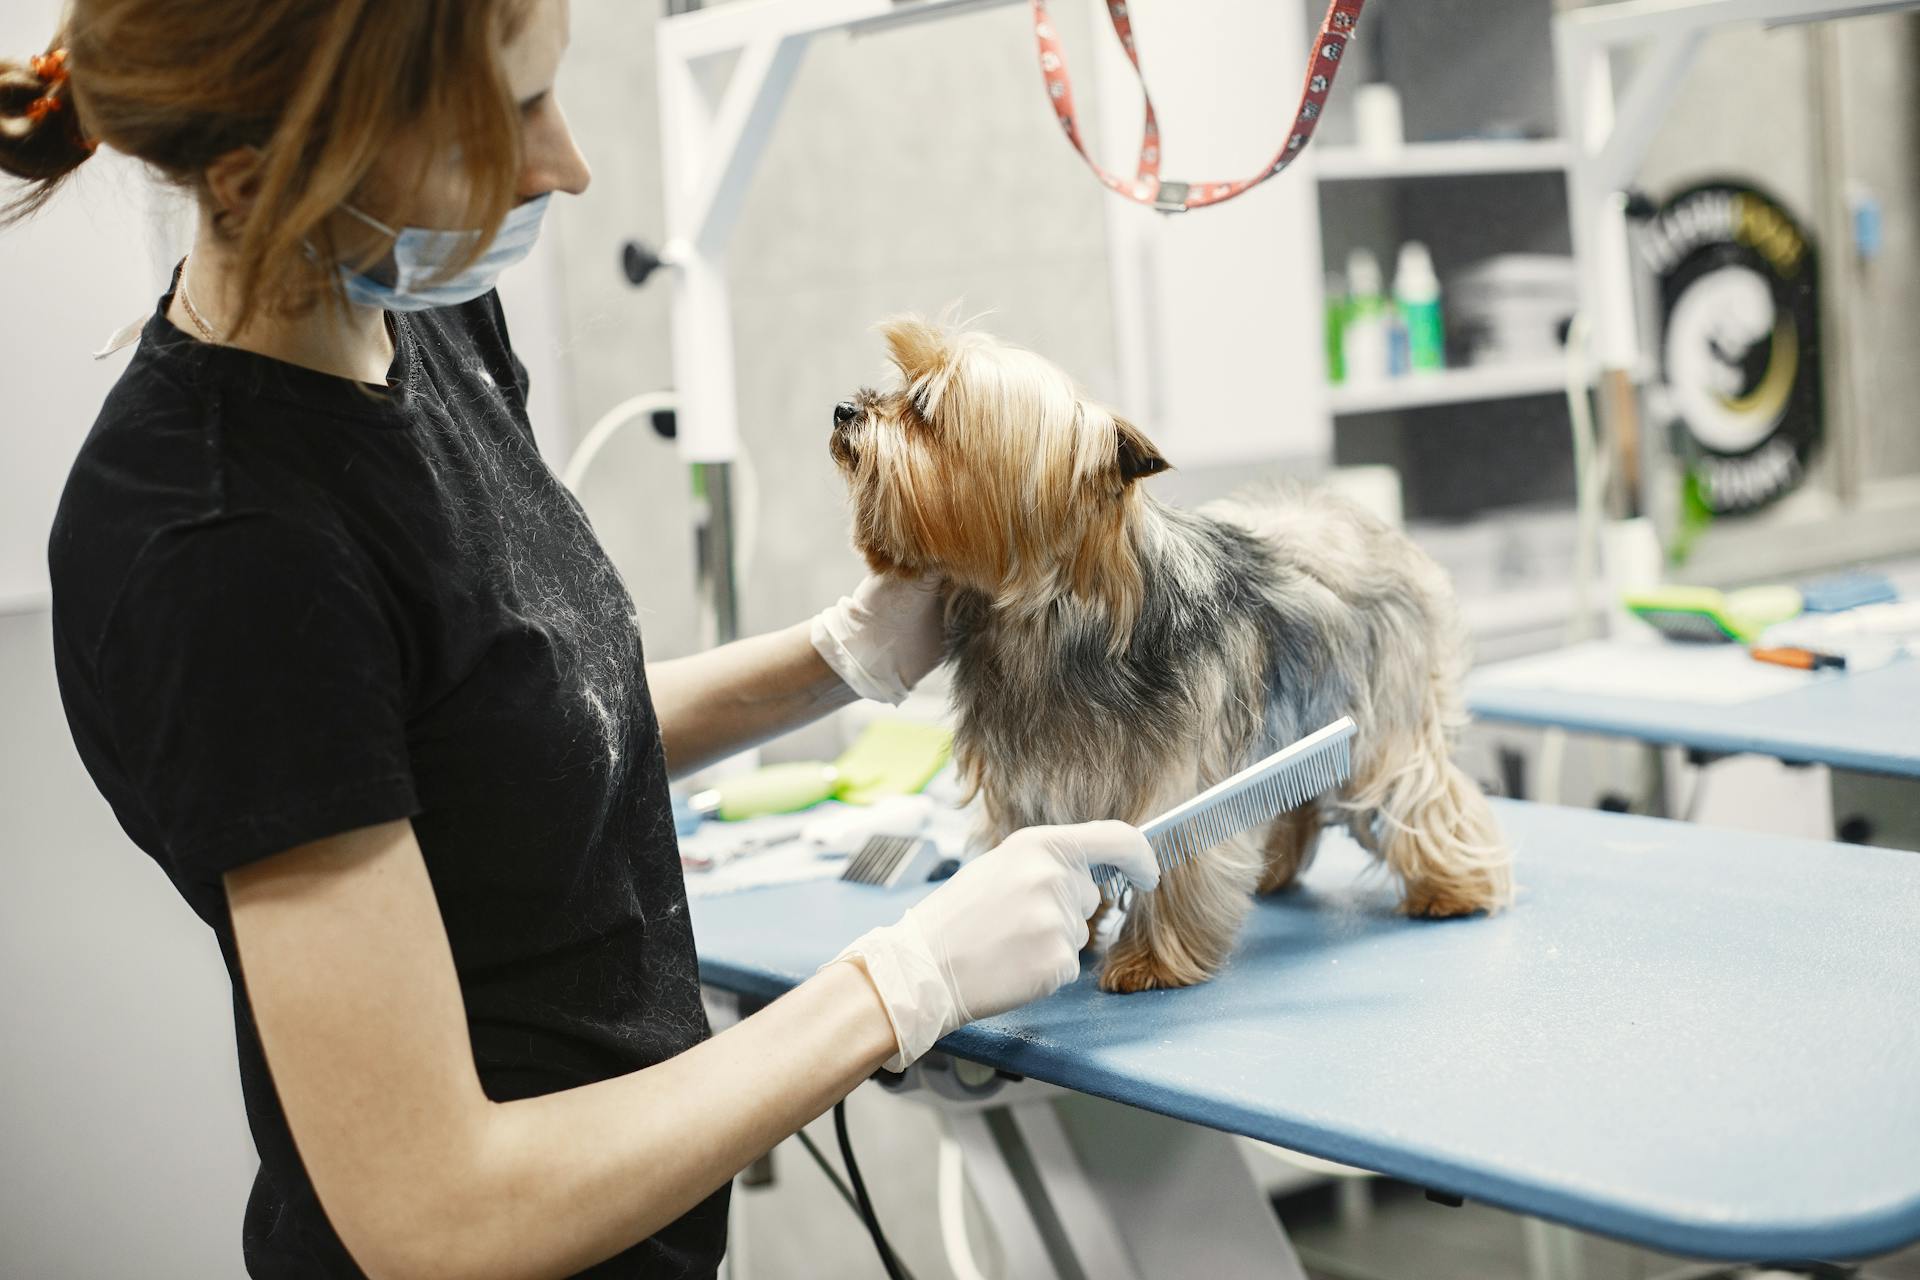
{"x":885,"y":636}
{"x":1008,"y":928}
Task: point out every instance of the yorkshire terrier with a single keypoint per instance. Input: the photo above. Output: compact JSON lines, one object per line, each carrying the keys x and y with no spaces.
{"x":1113,"y":655}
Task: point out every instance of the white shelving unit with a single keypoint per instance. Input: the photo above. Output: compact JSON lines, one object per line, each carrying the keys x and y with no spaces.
{"x":1450,"y":386}
{"x":1442,"y":160}
{"x":1516,"y":614}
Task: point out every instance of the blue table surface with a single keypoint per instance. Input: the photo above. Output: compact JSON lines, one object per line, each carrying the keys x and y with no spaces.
{"x":1868,"y":721}
{"x":1703,"y":1041}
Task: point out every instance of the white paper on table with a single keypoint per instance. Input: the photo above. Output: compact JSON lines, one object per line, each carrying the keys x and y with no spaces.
{"x":1719,"y":674}
{"x":789,"y":863}
{"x":727,"y":857}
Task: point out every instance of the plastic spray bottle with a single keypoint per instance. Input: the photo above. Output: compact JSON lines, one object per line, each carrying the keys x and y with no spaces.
{"x":1416,"y":291}
{"x":1364,"y":336}
{"x":1336,"y":322}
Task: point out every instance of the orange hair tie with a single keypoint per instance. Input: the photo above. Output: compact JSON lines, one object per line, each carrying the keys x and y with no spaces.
{"x":40,"y":108}
{"x":50,"y":67}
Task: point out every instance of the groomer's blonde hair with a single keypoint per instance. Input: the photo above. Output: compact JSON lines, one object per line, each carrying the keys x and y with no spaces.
{"x":323,"y":88}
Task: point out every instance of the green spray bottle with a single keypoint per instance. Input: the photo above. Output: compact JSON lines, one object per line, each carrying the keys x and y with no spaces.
{"x":1416,"y":292}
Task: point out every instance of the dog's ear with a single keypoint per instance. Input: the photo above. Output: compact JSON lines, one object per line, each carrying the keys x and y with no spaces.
{"x":924,"y":353}
{"x":1137,"y":456}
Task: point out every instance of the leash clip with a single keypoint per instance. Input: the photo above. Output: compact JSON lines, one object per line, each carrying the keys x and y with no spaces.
{"x":1171,"y":197}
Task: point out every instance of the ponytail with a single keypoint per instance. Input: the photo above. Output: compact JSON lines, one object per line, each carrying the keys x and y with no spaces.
{"x":41,"y":137}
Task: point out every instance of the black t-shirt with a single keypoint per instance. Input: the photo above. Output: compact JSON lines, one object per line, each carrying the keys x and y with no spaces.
{"x":287,"y":605}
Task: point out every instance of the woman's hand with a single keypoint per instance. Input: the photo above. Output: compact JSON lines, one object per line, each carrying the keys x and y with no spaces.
{"x":884,"y":637}
{"x":1006,"y":929}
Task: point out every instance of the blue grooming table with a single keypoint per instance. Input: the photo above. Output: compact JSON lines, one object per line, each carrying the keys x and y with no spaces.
{"x":1868,"y":721}
{"x":1702,"y":1041}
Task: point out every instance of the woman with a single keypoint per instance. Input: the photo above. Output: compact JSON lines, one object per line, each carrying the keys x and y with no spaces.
{"x":349,"y":664}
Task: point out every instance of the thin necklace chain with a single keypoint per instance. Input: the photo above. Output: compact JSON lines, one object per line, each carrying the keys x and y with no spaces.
{"x":193,"y":312}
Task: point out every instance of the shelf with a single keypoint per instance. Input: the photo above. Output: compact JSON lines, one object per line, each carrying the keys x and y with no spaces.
{"x":1442,"y":160}
{"x":1450,"y":386}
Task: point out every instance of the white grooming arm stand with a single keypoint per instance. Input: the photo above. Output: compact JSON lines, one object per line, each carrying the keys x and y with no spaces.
{"x":710,"y":147}
{"x":711,"y":142}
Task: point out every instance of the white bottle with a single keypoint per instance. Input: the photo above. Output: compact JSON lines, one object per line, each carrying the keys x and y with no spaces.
{"x":1364,"y":345}
{"x":1378,"y":127}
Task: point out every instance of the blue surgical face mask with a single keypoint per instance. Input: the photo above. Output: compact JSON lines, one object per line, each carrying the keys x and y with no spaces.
{"x":421,"y":254}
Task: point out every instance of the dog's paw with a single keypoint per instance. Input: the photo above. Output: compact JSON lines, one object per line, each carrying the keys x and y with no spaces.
{"x":1139,"y":970}
{"x":1444,"y":899}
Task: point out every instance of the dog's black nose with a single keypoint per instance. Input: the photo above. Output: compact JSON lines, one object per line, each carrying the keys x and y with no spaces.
{"x":844,"y":412}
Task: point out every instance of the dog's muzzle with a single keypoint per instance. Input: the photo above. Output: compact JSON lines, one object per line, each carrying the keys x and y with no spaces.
{"x":840,"y":444}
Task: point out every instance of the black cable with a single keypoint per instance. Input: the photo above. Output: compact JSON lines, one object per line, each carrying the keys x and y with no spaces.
{"x":832,"y":1175}
{"x":894,"y":1270}
{"x":840,"y":1186}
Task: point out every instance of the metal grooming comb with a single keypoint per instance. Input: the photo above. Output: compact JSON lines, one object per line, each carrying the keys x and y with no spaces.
{"x":888,"y":860}
{"x":1259,"y":793}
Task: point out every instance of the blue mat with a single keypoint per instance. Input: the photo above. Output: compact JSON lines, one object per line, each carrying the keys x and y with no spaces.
{"x":1701,"y":1041}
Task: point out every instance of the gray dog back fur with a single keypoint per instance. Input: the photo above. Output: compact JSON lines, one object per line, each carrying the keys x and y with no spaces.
{"x":1264,"y":618}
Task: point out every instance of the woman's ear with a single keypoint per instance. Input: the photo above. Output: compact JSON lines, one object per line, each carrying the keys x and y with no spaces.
{"x":233,"y":180}
{"x":1136,"y":455}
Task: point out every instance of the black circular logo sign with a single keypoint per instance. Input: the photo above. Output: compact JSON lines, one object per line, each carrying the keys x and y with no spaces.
{"x":1739,"y":349}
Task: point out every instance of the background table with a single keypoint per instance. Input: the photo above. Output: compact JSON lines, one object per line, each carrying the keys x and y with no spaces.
{"x":1868,"y":721}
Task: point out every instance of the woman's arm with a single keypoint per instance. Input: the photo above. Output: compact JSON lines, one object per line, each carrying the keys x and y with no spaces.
{"x":713,"y":704}
{"x":352,"y":985}
{"x":876,"y":643}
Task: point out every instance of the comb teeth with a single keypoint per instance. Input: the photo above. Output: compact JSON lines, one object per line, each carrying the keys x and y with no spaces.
{"x":1258,"y":794}
{"x":1686,"y":626}
{"x":881,"y":859}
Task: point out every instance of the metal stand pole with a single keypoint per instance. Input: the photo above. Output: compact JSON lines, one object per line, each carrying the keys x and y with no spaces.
{"x":1078,"y":1188}
{"x":715,"y":577}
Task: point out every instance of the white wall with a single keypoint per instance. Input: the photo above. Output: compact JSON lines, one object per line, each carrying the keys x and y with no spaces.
{"x":69,"y":277}
{"x":125,"y":1150}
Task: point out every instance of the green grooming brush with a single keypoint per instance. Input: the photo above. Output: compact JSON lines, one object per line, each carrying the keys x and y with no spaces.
{"x":1702,"y":615}
{"x":776,"y":788}
{"x":890,"y":758}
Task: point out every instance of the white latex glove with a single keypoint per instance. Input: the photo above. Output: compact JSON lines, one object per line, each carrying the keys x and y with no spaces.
{"x":885,"y":636}
{"x":1006,"y":929}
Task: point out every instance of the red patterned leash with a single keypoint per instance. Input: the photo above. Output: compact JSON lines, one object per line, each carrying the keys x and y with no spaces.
{"x":1148,"y":188}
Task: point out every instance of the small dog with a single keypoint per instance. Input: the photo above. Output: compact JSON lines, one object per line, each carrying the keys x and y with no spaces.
{"x":1113,"y":655}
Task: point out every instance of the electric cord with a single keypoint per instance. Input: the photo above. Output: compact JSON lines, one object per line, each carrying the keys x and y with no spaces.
{"x":894,"y":1270}
{"x":632,"y":409}
{"x":833,"y":1175}
{"x":840,"y":1186}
